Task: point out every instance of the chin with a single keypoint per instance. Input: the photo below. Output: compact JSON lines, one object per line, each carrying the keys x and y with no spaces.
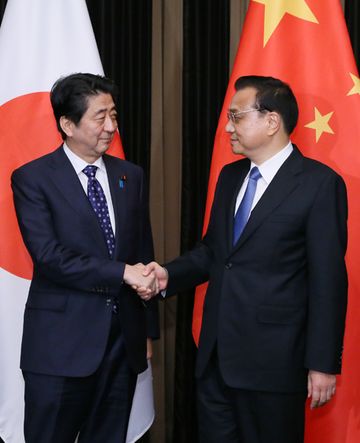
{"x":237,"y":150}
{"x":103,"y":148}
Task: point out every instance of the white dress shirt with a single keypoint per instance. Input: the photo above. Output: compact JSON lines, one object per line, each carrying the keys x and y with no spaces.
{"x":268,"y":169}
{"x":101,"y":175}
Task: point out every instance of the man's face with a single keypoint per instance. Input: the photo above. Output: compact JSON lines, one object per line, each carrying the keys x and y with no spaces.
{"x":91,"y":137}
{"x":248,"y":129}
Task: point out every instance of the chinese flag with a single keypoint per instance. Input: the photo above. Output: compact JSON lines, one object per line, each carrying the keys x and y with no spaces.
{"x":306,"y":44}
{"x":40,"y":40}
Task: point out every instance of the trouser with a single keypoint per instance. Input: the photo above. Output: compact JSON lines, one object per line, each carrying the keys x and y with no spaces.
{"x":94,"y":408}
{"x":230,"y":415}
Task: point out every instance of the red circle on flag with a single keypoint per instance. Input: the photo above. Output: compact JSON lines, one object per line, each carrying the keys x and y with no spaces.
{"x":27,"y":131}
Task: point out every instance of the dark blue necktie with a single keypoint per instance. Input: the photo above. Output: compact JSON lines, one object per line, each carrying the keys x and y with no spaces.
{"x":243,"y":212}
{"x":97,"y":199}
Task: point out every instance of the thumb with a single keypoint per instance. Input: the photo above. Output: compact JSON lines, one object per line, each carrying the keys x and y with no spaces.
{"x":148,"y":269}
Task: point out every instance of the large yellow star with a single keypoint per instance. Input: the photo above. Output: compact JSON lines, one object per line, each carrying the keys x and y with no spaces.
{"x":320,"y":124}
{"x":356,"y":88}
{"x":276,"y":9}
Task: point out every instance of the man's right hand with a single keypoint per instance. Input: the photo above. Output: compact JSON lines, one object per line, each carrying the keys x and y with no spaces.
{"x":135,"y":277}
{"x":161,"y":275}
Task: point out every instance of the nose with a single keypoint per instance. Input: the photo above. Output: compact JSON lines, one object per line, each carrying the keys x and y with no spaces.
{"x":229,"y":127}
{"x":110,"y":124}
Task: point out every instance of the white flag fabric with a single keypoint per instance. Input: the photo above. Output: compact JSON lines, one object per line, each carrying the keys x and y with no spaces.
{"x":40,"y":40}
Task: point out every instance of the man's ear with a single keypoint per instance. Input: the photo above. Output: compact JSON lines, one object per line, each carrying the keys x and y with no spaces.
{"x":274,"y":122}
{"x":66,"y":125}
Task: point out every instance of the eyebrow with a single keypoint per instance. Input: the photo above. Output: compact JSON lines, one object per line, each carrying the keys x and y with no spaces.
{"x":101,"y":111}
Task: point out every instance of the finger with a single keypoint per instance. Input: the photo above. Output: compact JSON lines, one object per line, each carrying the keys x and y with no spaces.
{"x":145,"y":297}
{"x":147,"y":270}
{"x":323,"y":397}
{"x":309,"y":387}
{"x":315,"y":399}
{"x":149,"y":348}
{"x":314,"y":403}
{"x":331,"y":392}
{"x":155,"y":286}
{"x":143,"y":291}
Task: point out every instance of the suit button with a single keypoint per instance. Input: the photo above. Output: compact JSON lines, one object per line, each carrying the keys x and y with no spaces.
{"x":108,"y":301}
{"x":116,"y":306}
{"x":228,"y":266}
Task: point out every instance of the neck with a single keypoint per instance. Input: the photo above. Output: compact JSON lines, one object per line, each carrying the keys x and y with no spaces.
{"x":265,"y":153}
{"x":87,"y":157}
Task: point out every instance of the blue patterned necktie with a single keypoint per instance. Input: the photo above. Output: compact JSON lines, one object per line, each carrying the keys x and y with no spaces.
{"x":97,"y":199}
{"x":243,"y":212}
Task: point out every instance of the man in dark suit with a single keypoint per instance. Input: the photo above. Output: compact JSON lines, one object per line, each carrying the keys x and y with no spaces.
{"x":84,"y":219}
{"x":274,"y":312}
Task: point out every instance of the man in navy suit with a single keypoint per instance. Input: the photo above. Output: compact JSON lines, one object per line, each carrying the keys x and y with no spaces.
{"x":84,"y":219}
{"x":273,"y":254}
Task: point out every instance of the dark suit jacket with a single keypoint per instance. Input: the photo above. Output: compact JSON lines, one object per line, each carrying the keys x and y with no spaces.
{"x":69,"y":307}
{"x":276,"y":302}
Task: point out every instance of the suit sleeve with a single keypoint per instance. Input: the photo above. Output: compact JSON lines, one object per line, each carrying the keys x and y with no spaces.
{"x":55,"y":262}
{"x":327,"y":278}
{"x":193,"y":267}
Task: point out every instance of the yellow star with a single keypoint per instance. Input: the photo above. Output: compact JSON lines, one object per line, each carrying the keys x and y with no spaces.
{"x":320,"y":124}
{"x":356,"y":88}
{"x":276,"y":9}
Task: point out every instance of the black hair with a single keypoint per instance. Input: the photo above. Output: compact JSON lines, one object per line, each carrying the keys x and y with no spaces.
{"x":69,"y":95}
{"x":272,"y":95}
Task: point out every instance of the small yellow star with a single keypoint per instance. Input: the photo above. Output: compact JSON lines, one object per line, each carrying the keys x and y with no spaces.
{"x":276,"y":9}
{"x":320,"y":124}
{"x":356,"y":88}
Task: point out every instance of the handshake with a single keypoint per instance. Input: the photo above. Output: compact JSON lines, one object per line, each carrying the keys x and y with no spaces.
{"x":147,"y":280}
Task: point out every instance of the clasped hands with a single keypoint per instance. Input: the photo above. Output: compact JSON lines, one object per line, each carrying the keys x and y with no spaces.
{"x":147,"y":280}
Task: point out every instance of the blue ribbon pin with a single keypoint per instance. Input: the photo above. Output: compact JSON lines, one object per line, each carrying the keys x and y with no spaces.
{"x":122,"y":181}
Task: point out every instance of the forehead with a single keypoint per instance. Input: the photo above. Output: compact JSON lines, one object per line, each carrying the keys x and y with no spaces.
{"x":97,"y":103}
{"x":243,"y":99}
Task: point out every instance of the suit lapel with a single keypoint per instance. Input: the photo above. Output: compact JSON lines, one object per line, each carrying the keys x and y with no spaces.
{"x":283,"y":184}
{"x":66,"y":180}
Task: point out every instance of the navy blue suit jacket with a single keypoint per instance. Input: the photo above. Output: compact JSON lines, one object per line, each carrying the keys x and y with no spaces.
{"x":69,"y":307}
{"x":276,"y":301}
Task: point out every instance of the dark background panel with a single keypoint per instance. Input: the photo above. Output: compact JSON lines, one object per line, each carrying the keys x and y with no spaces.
{"x":206,"y":29}
{"x":123,"y":34}
{"x":352,"y":16}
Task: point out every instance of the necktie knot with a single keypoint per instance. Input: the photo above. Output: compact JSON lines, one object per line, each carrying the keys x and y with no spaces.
{"x":255,"y":174}
{"x":90,"y":171}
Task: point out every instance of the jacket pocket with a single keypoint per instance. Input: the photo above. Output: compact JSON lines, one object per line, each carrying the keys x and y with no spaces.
{"x":47,"y":301}
{"x":280,"y":314}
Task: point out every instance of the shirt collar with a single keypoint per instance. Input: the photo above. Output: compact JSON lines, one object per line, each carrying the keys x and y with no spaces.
{"x":270,"y":167}
{"x":78,"y":163}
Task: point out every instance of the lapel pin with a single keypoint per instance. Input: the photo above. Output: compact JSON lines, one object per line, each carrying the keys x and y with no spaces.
{"x":122,"y":181}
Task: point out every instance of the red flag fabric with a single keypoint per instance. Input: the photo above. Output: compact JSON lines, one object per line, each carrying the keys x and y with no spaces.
{"x":306,"y":44}
{"x":40,"y":40}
